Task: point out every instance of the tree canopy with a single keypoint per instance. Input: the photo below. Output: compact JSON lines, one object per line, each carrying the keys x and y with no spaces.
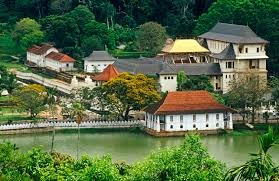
{"x":123,"y":94}
{"x":27,"y":32}
{"x":31,"y":98}
{"x":151,"y":37}
{"x":7,"y":80}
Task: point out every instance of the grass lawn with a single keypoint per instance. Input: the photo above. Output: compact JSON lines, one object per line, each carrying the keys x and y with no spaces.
{"x":8,"y":46}
{"x":4,"y":98}
{"x":14,"y":65}
{"x":12,"y":114}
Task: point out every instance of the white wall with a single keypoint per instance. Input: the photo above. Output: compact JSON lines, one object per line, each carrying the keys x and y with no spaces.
{"x":58,"y":66}
{"x":188,"y":124}
{"x":37,"y":59}
{"x":90,"y":66}
{"x":168,"y":83}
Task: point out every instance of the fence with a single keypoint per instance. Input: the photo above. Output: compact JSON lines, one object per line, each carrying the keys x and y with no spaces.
{"x":72,"y":125}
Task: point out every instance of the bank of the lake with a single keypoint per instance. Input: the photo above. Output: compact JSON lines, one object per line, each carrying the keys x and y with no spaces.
{"x":132,"y":146}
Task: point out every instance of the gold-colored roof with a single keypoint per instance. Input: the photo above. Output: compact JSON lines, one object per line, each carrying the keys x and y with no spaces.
{"x":185,"y":46}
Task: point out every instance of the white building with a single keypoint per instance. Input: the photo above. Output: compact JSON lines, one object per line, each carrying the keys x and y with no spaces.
{"x":238,"y":50}
{"x":36,"y":54}
{"x":97,"y":61}
{"x":186,"y":111}
{"x":59,"y":62}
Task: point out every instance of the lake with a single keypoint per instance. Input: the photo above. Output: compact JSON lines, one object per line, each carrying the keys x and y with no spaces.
{"x":132,"y":146}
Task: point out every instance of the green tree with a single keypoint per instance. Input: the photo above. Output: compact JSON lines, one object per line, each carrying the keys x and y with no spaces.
{"x":244,"y":92}
{"x":189,"y":161}
{"x":7,"y":80}
{"x":129,"y":92}
{"x":27,"y":32}
{"x":260,"y":166}
{"x":181,"y":79}
{"x":201,"y":82}
{"x":31,"y":98}
{"x":92,"y":43}
{"x":151,"y":37}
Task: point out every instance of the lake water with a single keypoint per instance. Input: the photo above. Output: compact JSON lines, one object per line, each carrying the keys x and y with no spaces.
{"x":134,"y":146}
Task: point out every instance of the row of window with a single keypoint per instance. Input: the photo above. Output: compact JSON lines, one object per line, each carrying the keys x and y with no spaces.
{"x":230,"y":76}
{"x":195,"y":127}
{"x":247,"y":50}
{"x":195,"y":117}
{"x":168,"y":77}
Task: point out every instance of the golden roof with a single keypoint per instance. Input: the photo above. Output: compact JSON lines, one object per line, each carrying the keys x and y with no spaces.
{"x":185,"y":46}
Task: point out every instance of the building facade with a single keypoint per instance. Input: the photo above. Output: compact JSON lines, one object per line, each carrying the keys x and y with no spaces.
{"x":238,"y":50}
{"x":188,"y":111}
{"x":36,"y":54}
{"x":97,"y":61}
{"x":59,"y":62}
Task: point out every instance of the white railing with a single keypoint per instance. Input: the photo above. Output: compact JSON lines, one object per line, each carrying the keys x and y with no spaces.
{"x":72,"y":124}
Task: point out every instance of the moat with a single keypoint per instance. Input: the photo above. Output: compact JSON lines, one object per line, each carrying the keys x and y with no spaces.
{"x":132,"y":146}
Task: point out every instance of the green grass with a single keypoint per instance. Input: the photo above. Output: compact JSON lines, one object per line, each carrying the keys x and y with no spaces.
{"x":4,"y":98}
{"x":8,"y":46}
{"x":15,"y":65}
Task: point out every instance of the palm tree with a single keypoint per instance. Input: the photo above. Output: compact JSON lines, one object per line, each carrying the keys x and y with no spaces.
{"x":77,"y":112}
{"x":260,"y":166}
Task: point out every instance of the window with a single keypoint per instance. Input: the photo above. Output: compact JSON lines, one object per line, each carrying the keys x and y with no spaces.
{"x":206,"y":117}
{"x":233,"y":75}
{"x":165,"y":77}
{"x":240,"y":50}
{"x":217,"y":117}
{"x":258,"y":50}
{"x":171,"y":77}
{"x":216,"y":77}
{"x":226,"y":76}
{"x":206,"y":125}
{"x":217,"y":125}
{"x":194,"y":126}
{"x":181,"y":118}
{"x":194,"y":117}
{"x":229,"y":76}
{"x":105,"y":65}
{"x":246,"y":50}
{"x":181,"y":126}
{"x":171,"y":118}
{"x":67,"y":65}
{"x":99,"y":65}
{"x":168,"y":77}
{"x":229,"y":65}
{"x":171,"y":126}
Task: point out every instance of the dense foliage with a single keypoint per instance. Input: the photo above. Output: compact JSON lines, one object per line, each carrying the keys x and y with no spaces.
{"x":114,"y":22}
{"x":201,"y":82}
{"x":7,"y":80}
{"x":122,"y":94}
{"x":190,"y":161}
{"x":32,"y":98}
{"x":260,"y":166}
{"x":246,"y":95}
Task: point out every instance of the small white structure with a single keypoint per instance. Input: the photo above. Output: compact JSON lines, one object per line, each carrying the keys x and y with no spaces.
{"x":188,"y":110}
{"x":36,"y":54}
{"x":59,"y":62}
{"x":97,"y":61}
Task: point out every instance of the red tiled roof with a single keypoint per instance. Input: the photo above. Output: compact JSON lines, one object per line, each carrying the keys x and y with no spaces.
{"x":60,"y":57}
{"x":187,"y":102}
{"x":108,"y":73}
{"x":39,"y":50}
